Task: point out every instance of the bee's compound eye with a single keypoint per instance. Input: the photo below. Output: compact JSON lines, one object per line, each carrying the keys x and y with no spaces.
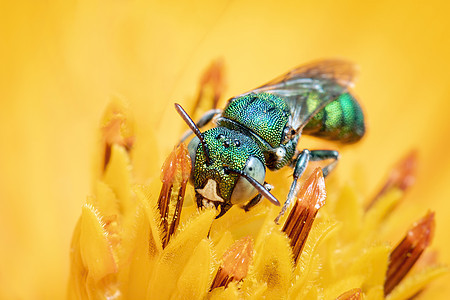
{"x":243,"y":190}
{"x":255,"y":168}
{"x":192,"y":149}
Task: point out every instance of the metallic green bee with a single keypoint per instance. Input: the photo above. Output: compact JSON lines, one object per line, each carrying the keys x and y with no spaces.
{"x":261,"y":128}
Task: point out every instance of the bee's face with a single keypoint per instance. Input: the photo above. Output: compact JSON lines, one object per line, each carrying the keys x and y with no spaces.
{"x":227,"y":150}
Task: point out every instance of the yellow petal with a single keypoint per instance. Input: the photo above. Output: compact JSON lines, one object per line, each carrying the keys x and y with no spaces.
{"x":224,"y":243}
{"x":379,"y":211}
{"x":314,"y":291}
{"x":175,"y":256}
{"x":231,"y":292}
{"x":93,"y":262}
{"x":118,"y":177}
{"x":372,"y":265}
{"x":195,"y":280}
{"x":340,"y":286}
{"x":411,"y":285}
{"x":154,"y":220}
{"x":145,"y":157}
{"x":77,"y":279}
{"x":348,"y":210}
{"x":105,"y":199}
{"x":308,"y":263}
{"x":273,"y":263}
{"x":240,"y":222}
{"x":96,"y":251}
{"x":146,"y":196}
{"x":307,"y":282}
{"x":145,"y":246}
{"x":375,"y":293}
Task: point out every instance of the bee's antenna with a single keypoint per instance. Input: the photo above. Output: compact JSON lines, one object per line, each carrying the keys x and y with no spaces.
{"x":261,"y":189}
{"x":194,"y":129}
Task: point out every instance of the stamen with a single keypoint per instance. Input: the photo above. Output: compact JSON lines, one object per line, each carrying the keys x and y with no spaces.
{"x":212,"y":86}
{"x":176,"y":172}
{"x":235,"y":263}
{"x":408,"y":251}
{"x":402,"y":176}
{"x":116,"y":130}
{"x":298,"y":224}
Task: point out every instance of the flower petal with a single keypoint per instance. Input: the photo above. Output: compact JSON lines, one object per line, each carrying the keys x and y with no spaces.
{"x":143,"y":250}
{"x":348,"y":210}
{"x":175,"y":256}
{"x":195,"y":280}
{"x":273,"y":263}
{"x":412,"y":285}
{"x":231,"y":292}
{"x":372,"y":264}
{"x":118,"y":177}
{"x":96,"y":250}
{"x":307,"y":265}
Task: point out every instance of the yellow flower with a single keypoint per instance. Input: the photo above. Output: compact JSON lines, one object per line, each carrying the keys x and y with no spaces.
{"x":131,"y":244}
{"x":61,"y":60}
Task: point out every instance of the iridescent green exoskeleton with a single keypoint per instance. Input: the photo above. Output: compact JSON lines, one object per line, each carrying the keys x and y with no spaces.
{"x":261,"y":128}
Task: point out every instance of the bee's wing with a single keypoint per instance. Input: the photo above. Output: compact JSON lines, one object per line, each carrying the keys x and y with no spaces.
{"x":327,"y":78}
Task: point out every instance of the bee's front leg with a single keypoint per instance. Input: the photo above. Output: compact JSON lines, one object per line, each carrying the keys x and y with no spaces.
{"x":255,"y":200}
{"x":301,"y":162}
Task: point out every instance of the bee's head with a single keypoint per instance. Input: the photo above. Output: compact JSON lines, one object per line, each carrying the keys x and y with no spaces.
{"x":230,"y":153}
{"x":228,"y":167}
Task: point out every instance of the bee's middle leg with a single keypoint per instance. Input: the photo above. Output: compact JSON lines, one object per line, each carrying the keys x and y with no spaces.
{"x":300,"y":163}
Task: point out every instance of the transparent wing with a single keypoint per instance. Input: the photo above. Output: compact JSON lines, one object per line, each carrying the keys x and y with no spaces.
{"x":309,"y":88}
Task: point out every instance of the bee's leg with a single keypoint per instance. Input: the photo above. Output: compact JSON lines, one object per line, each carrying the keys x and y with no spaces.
{"x":205,"y":119}
{"x":255,"y":200}
{"x":318,"y":155}
{"x":301,"y":162}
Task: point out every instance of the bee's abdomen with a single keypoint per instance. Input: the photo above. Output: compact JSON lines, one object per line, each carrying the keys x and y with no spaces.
{"x":341,"y":120}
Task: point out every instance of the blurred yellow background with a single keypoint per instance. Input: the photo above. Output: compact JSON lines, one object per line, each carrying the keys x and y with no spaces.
{"x":61,"y":62}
